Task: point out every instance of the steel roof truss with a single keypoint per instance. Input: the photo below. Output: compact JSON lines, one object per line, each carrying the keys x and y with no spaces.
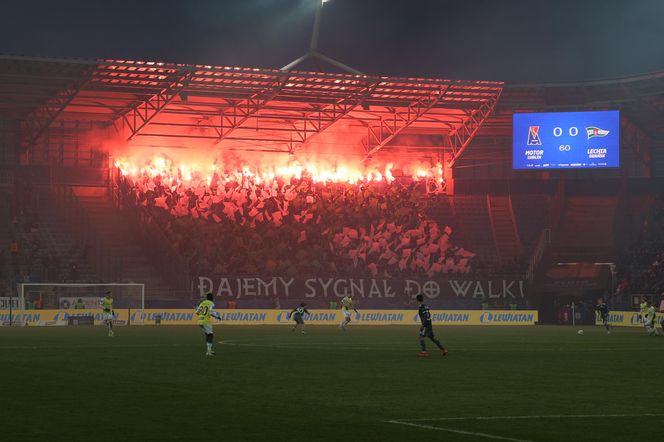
{"x":141,"y":113}
{"x":322,"y":118}
{"x":461,"y":138}
{"x":39,"y":120}
{"x":379,"y":135}
{"x":241,"y":111}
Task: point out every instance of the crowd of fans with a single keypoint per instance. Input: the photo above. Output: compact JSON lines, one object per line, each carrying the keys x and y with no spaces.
{"x":241,"y":224}
{"x":32,"y":256}
{"x":642,"y":268}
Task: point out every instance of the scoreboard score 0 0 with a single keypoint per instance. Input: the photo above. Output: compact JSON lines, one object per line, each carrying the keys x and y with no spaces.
{"x":566,"y":140}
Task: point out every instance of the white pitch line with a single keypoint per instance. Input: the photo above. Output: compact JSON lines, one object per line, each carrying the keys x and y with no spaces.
{"x":401,"y":345}
{"x":545,"y":416}
{"x":340,"y":346}
{"x":452,"y":430}
{"x":411,"y":422}
{"x":100,"y":346}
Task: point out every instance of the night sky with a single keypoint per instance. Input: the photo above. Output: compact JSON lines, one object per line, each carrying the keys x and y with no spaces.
{"x":511,"y":40}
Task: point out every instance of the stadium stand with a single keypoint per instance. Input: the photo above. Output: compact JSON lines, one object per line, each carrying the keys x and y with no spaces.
{"x":5,"y":240}
{"x":642,"y":266}
{"x":45,"y":251}
{"x":297,"y":226}
{"x":531,"y":213}
{"x":504,"y":229}
{"x":480,"y":220}
{"x":120,"y":239}
{"x":586,"y":230}
{"x":473,"y":215}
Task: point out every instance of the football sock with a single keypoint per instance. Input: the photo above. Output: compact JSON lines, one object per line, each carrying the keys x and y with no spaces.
{"x":422,"y":345}
{"x":437,"y":342}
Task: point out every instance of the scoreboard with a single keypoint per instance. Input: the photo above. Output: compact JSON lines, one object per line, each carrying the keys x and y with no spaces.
{"x":566,"y":140}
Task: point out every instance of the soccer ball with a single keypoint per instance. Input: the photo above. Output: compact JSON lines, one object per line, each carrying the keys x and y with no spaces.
{"x":580,"y":332}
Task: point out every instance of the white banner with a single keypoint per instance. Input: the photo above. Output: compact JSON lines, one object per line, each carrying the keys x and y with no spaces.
{"x":16,"y":303}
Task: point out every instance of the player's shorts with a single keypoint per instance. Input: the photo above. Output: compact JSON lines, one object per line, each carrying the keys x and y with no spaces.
{"x":346,"y":313}
{"x":207,"y":328}
{"x":605,"y":318}
{"x":107,"y":316}
{"x":298,"y":319}
{"x":427,"y":332}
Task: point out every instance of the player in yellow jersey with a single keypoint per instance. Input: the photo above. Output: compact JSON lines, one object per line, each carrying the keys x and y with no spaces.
{"x":346,"y":307}
{"x":205,"y":311}
{"x":643,"y":312}
{"x":643,"y":308}
{"x":106,"y":305}
{"x":650,"y":321}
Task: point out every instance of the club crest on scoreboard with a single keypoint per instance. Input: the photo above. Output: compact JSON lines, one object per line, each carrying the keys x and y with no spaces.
{"x":533,"y":136}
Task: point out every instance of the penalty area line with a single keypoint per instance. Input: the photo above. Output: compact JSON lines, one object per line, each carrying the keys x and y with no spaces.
{"x":452,"y":430}
{"x":544,"y":416}
{"x":413,"y":422}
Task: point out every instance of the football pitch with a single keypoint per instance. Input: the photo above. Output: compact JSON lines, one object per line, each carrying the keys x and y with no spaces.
{"x":154,"y":383}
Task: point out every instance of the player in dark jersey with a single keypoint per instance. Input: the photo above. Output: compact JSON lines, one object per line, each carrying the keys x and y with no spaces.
{"x":298,"y":316}
{"x":426,"y":329}
{"x":603,"y":311}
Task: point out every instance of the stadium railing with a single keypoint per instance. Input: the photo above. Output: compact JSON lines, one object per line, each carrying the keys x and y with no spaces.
{"x":171,"y":264}
{"x":542,"y":244}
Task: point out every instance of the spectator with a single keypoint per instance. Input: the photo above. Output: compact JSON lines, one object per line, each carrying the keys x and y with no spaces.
{"x":238,"y":223}
{"x":73,"y":273}
{"x":13,"y":251}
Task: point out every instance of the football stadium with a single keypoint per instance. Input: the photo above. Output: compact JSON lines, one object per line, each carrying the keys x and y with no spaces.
{"x":201,"y":251}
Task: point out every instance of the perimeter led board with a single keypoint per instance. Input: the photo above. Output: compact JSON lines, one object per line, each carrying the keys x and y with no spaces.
{"x":566,"y":140}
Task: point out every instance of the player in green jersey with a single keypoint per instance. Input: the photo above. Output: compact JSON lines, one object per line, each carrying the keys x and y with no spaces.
{"x":426,"y":329}
{"x":298,"y":316}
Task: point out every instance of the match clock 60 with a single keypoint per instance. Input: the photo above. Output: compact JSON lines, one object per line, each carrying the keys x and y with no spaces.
{"x":566,"y":140}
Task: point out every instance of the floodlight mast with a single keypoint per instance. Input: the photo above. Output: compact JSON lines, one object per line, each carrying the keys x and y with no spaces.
{"x":313,"y":47}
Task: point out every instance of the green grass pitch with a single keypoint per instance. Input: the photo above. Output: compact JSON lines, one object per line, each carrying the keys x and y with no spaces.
{"x":367,"y":384}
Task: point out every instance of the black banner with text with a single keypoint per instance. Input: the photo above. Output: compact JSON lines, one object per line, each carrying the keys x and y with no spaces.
{"x":370,"y":292}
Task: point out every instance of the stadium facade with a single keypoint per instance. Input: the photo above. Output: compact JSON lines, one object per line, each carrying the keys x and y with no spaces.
{"x":65,"y":122}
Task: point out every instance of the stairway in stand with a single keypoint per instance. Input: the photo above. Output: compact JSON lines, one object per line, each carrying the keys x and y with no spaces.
{"x":6,"y":235}
{"x":55,"y":236}
{"x":120,"y":236}
{"x":474,"y":226}
{"x":503,"y":226}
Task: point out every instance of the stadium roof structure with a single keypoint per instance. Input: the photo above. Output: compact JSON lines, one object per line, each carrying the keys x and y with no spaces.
{"x":269,"y":110}
{"x":169,"y":104}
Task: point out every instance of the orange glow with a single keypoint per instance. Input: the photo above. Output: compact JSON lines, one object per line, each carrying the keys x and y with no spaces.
{"x":200,"y":170}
